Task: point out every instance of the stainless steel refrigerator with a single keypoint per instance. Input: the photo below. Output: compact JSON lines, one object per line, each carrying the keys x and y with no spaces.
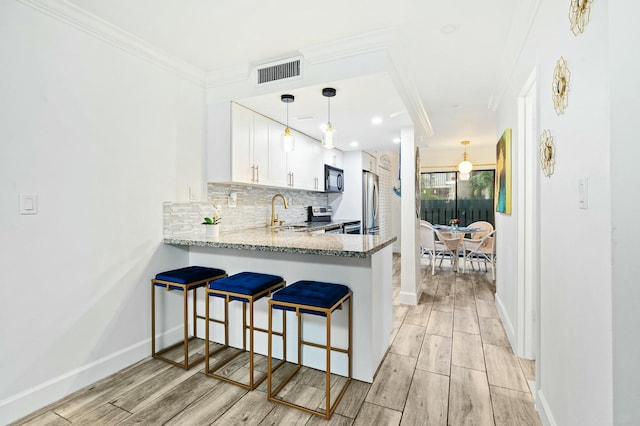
{"x":370,"y":198}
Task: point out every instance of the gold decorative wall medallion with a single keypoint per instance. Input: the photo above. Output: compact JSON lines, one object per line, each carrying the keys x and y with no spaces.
{"x":579,"y":14}
{"x":560,"y":86}
{"x":547,"y":153}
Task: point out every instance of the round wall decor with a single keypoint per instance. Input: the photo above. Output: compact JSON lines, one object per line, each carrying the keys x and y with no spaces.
{"x":560,"y":86}
{"x":579,"y":14}
{"x":547,"y":153}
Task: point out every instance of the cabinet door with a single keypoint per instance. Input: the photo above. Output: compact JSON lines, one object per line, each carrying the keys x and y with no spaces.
{"x":298,"y":164}
{"x":369,"y":162}
{"x":261,"y":148}
{"x":278,"y":173}
{"x":335,"y":156}
{"x":242,"y":169}
{"x":318,"y":160}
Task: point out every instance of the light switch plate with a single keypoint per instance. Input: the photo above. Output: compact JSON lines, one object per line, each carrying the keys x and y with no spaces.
{"x":583,"y":193}
{"x":28,"y":203}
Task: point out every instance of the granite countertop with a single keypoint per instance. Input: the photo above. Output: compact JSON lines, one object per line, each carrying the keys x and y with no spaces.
{"x":288,"y":241}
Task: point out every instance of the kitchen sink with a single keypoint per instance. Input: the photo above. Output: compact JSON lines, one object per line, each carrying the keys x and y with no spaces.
{"x":293,"y":227}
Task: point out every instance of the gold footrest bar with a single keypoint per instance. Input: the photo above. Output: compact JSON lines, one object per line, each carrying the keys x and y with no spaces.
{"x":159,"y":355}
{"x":246,"y":300}
{"x":321,"y":346}
{"x":272,"y":394}
{"x":185,"y":288}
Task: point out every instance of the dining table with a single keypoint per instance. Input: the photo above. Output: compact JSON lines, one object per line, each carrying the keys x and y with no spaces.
{"x":452,"y":236}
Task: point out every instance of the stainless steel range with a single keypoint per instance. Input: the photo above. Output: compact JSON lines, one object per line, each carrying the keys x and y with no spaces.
{"x":323,"y":214}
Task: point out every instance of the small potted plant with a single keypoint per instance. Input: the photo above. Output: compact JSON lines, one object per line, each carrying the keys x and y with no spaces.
{"x":212,"y":224}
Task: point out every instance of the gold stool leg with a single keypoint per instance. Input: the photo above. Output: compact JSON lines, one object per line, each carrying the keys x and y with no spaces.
{"x":153,"y":319}
{"x":185,"y":317}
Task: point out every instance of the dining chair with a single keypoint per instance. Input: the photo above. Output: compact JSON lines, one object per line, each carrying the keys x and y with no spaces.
{"x":483,"y":249}
{"x":452,"y":242}
{"x":486,"y":228}
{"x":430,"y":245}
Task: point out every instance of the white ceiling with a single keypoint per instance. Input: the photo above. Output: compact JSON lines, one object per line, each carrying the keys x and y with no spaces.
{"x":452,"y":50}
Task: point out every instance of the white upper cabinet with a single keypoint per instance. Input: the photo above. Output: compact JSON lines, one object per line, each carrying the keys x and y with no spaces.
{"x":299,"y":163}
{"x":249,"y":146}
{"x":332,"y":157}
{"x":242,"y":165}
{"x":369,"y":162}
{"x":278,"y":173}
{"x":244,"y":146}
{"x":261,"y":146}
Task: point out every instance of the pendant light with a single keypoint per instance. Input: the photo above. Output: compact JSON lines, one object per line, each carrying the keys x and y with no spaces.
{"x":288,"y":141}
{"x":465,"y":166}
{"x":329,"y":138}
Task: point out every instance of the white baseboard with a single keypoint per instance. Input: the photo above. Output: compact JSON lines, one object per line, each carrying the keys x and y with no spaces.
{"x":507,"y":323}
{"x":36,"y":397}
{"x":407,"y":298}
{"x":543,"y":410}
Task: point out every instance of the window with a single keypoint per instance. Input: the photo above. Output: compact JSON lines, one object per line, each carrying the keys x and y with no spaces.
{"x":444,"y":197}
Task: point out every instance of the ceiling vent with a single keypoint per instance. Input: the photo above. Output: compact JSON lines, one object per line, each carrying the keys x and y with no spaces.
{"x":278,"y":71}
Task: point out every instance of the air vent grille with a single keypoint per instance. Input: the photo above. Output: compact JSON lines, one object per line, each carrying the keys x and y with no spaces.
{"x":279,"y":71}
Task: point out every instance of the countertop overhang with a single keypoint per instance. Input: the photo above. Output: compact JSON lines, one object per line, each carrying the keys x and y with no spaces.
{"x":287,"y":241}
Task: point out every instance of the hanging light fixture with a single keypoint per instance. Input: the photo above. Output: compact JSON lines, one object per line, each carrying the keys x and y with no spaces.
{"x":288,"y":141}
{"x":465,"y":166}
{"x":330,"y":137}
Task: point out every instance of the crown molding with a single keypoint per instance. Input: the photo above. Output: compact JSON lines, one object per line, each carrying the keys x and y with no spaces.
{"x":350,"y":46}
{"x":224,"y":76}
{"x":105,"y":31}
{"x":376,"y":41}
{"x":407,"y":90}
{"x":516,"y":39}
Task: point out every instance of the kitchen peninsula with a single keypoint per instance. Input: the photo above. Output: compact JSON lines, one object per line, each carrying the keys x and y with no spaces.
{"x":362,"y":262}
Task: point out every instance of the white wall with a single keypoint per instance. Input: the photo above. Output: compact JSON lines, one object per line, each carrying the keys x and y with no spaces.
{"x":625,"y":204}
{"x":575,"y":362}
{"x":102,"y":137}
{"x":442,"y":160}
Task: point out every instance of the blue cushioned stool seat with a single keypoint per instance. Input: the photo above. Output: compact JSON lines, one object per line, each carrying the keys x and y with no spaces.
{"x":316,"y":298}
{"x":183,"y":280}
{"x":189,"y":274}
{"x":249,"y":283}
{"x":247,"y":288}
{"x":310,"y":293}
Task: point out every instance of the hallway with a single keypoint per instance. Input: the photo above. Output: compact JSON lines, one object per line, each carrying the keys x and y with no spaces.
{"x":449,"y":363}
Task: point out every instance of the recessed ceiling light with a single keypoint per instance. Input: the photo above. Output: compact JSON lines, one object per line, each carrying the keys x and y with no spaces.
{"x":305,"y":117}
{"x":354,"y":144}
{"x":396,"y":140}
{"x":449,"y":29}
{"x":376,"y":120}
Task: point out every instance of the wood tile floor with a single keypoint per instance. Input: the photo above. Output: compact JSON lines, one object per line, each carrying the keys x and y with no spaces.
{"x":449,"y":364}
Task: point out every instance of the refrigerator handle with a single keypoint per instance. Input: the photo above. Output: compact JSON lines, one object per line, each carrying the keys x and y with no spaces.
{"x":375,"y":200}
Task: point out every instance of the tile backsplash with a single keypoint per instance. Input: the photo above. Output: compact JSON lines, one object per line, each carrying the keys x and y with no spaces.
{"x":253,"y":208}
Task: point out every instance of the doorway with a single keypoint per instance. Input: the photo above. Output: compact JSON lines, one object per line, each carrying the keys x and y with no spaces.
{"x":528,"y":227}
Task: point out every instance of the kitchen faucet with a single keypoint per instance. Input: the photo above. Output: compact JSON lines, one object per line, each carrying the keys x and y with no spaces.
{"x":274,"y":218}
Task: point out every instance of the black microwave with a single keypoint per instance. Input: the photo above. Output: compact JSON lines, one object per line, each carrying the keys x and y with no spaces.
{"x":333,"y":179}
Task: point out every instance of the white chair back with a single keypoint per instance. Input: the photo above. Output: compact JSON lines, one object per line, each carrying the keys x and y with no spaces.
{"x":486,"y":227}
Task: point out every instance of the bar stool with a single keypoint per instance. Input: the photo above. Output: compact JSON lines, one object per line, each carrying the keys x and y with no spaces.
{"x":184,"y":280}
{"x":245,"y":287}
{"x":315,"y":298}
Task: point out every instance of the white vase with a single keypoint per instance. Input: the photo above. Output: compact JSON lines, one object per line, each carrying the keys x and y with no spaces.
{"x":213,"y":231}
